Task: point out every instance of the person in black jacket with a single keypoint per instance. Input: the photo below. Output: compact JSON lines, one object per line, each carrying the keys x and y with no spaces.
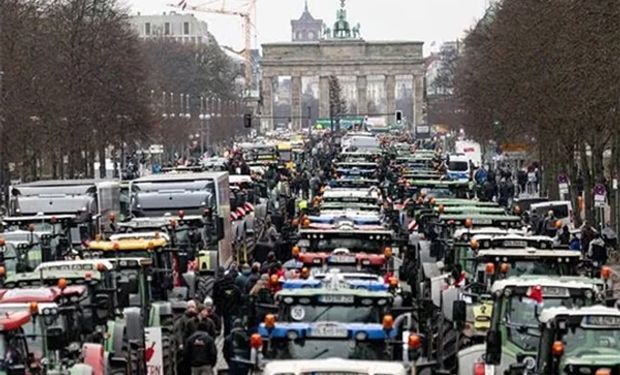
{"x":236,"y":346}
{"x":184,"y":327}
{"x":200,"y":351}
{"x":228,"y":299}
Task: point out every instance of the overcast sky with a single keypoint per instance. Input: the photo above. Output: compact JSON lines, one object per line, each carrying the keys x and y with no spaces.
{"x":423,"y":20}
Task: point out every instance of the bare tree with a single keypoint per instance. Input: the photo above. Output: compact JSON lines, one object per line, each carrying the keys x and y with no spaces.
{"x":546,"y":74}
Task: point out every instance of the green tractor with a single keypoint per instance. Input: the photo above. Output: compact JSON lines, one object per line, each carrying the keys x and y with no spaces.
{"x":514,"y":317}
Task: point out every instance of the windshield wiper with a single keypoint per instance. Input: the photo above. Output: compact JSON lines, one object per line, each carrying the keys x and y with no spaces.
{"x":322,"y":313}
{"x":525,"y":329}
{"x":320,"y":353}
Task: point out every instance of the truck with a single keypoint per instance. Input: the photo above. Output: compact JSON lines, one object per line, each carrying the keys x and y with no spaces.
{"x":187,"y":194}
{"x":90,"y":202}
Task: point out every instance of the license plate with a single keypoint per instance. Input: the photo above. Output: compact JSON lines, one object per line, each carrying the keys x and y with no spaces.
{"x":336,"y":299}
{"x":515,"y":243}
{"x":341,"y":259}
{"x":328,"y":330}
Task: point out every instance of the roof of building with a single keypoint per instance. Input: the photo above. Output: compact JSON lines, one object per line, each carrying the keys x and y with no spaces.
{"x":306,"y":16}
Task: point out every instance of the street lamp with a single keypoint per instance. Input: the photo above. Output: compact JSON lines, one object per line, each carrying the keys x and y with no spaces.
{"x":201,"y":117}
{"x":187,"y":112}
{"x":163,"y":105}
{"x":181,"y":107}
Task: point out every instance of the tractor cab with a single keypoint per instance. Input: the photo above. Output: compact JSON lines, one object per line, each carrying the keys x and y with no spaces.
{"x":132,"y":257}
{"x":516,"y":306}
{"x":54,"y":335}
{"x":346,"y":247}
{"x":581,"y":341}
{"x":98,"y":299}
{"x":13,"y":345}
{"x":332,"y":320}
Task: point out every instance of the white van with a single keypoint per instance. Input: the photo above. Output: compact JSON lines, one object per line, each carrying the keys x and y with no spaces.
{"x":471,"y":150}
{"x":563,"y":210}
{"x":361,"y":142}
{"x":458,"y":167}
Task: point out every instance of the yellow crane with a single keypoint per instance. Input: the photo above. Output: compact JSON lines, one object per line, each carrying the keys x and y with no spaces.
{"x":247,"y":13}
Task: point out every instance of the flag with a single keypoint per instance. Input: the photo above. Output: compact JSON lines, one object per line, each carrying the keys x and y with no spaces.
{"x":535,"y":295}
{"x":183,"y":4}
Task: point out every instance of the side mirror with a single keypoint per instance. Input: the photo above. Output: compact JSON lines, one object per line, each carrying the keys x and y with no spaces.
{"x":459,"y":311}
{"x":219,"y":227}
{"x":55,"y":338}
{"x":493,"y":353}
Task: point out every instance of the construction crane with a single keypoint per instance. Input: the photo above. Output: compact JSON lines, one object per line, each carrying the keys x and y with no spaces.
{"x":247,"y":14}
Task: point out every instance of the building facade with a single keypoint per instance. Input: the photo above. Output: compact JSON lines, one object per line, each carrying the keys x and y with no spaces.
{"x":184,"y":28}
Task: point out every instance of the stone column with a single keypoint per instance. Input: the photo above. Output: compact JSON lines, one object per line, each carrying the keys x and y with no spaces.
{"x":296,"y":102}
{"x":390,"y":88}
{"x":418,"y":100}
{"x":362,"y":99}
{"x":266,"y":123}
{"x":324,"y":97}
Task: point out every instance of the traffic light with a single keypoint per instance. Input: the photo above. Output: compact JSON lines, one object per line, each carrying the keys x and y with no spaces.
{"x":247,"y":120}
{"x":399,"y":117}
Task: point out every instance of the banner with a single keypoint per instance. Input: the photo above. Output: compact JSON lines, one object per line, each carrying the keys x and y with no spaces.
{"x":153,"y":354}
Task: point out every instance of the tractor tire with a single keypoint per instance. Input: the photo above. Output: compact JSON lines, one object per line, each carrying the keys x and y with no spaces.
{"x":449,"y":348}
{"x":169,"y":355}
{"x":137,"y":368}
{"x":133,"y":361}
{"x":204,"y":287}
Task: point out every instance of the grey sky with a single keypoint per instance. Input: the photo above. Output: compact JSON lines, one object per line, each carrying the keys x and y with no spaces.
{"x":423,"y":20}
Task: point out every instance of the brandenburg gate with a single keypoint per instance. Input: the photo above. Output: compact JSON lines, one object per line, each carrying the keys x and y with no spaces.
{"x":342,"y":53}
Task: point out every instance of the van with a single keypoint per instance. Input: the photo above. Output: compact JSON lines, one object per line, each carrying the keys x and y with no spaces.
{"x":470,"y":149}
{"x":563,"y":211}
{"x":458,"y":167}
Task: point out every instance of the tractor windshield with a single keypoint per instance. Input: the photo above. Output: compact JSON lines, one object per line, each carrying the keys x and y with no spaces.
{"x":332,"y":313}
{"x":522,"y":318}
{"x":353,"y":244}
{"x":582,"y":342}
{"x":327,"y":348}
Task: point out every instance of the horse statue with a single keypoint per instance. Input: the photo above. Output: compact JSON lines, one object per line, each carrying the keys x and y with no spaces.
{"x":356,"y":31}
